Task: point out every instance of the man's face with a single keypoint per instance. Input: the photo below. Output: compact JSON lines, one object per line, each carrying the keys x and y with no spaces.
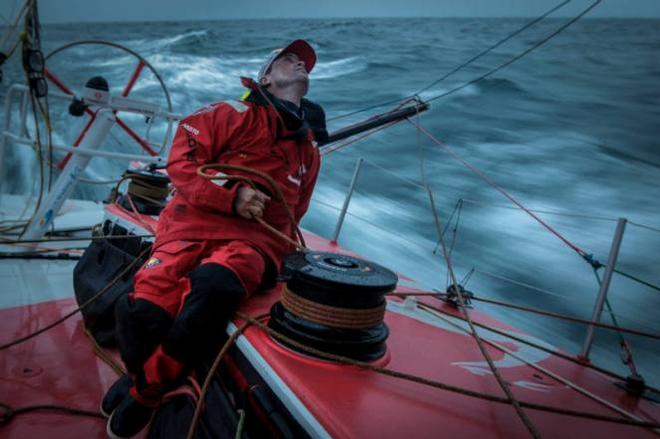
{"x":285,"y":71}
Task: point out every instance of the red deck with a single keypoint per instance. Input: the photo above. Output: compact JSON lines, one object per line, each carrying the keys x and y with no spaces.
{"x":60,"y":367}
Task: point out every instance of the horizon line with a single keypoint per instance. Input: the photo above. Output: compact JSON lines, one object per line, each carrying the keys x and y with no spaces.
{"x":174,"y":20}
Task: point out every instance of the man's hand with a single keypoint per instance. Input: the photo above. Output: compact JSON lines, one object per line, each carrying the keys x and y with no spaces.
{"x":250,"y":203}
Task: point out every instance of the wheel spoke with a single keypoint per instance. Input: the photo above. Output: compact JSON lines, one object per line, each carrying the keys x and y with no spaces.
{"x":143,"y":143}
{"x":134,"y":77}
{"x":58,"y":83}
{"x":81,"y":136}
{"x":65,"y":89}
{"x":62,"y":86}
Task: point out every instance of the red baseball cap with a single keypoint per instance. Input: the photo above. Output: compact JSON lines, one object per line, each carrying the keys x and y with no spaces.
{"x":301,"y":48}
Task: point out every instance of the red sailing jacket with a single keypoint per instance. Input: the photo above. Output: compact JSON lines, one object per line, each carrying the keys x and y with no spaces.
{"x":246,"y":133}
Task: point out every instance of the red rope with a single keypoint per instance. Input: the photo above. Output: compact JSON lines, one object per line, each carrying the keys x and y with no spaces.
{"x":137,"y":215}
{"x":577,"y":249}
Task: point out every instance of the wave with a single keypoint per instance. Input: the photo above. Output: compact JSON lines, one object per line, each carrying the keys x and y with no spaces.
{"x":470,"y":90}
{"x":218,"y":73}
{"x":154,"y":45}
{"x":340,"y":67}
{"x":500,"y":85}
{"x":200,"y":76}
{"x":185,"y":37}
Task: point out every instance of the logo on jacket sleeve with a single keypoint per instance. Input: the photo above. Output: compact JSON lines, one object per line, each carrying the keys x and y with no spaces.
{"x":152,"y":262}
{"x":297,"y":180}
{"x":190,"y":129}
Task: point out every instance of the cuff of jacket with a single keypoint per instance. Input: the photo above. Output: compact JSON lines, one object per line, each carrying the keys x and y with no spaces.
{"x":220,"y":199}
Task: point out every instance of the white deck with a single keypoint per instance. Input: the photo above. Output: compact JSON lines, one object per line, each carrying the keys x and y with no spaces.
{"x":28,"y":281}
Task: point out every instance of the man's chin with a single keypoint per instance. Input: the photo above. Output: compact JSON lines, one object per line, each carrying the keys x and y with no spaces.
{"x":302,"y":82}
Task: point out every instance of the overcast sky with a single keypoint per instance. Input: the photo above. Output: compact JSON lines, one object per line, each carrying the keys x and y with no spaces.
{"x":67,"y":11}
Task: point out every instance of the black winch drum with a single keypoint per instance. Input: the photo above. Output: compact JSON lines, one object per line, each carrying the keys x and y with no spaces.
{"x":344,"y":283}
{"x":153,"y":183}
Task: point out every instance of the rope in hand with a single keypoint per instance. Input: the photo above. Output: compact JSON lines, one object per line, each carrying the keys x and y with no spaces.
{"x":275,"y":190}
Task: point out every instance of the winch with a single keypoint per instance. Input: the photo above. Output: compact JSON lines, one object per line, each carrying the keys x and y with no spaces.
{"x":147,"y":191}
{"x":334,"y":303}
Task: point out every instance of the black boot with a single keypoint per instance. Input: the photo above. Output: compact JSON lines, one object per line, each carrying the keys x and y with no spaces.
{"x":116,"y":394}
{"x":128,"y":419}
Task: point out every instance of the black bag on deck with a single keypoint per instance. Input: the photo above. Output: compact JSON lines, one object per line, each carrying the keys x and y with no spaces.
{"x":101,"y":262}
{"x":219,"y":419}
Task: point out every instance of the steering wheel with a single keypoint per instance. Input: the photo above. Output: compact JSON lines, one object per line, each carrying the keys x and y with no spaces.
{"x":141,"y":63}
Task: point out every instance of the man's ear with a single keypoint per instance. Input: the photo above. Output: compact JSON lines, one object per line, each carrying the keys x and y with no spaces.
{"x":264,"y":81}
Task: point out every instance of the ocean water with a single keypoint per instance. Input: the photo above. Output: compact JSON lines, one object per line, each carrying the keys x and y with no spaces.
{"x":571,"y":130}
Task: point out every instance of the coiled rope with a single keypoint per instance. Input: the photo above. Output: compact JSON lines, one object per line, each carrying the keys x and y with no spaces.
{"x":336,"y":317}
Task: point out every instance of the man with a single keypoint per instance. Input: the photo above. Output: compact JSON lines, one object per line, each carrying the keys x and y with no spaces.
{"x":210,"y":253}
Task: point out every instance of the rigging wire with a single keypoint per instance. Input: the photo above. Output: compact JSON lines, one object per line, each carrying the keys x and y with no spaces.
{"x":458,"y":207}
{"x":33,"y":65}
{"x":526,"y":342}
{"x":437,"y":384}
{"x":12,"y":28}
{"x":494,"y":46}
{"x":510,"y":397}
{"x":520,"y":55}
{"x":654,"y":336}
{"x":626,"y":350}
{"x":490,"y":182}
{"x":480,"y":55}
{"x":573,"y":385}
{"x":636,"y":279}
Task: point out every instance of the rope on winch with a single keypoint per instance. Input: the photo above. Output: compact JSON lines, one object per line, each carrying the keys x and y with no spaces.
{"x":333,"y":316}
{"x":249,"y":321}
